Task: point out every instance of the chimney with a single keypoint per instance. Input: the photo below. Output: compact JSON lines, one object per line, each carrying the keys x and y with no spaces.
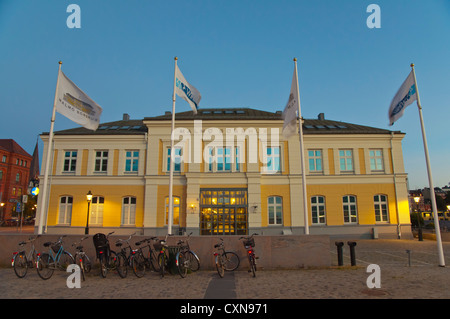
{"x":321,"y":116}
{"x":126,"y":117}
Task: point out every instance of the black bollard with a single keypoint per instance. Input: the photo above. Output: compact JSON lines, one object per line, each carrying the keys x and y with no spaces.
{"x":352,"y":245}
{"x":339,"y":245}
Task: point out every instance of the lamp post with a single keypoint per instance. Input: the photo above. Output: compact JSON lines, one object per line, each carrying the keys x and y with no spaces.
{"x":88,"y":198}
{"x":419,"y":215}
{"x":3,"y":213}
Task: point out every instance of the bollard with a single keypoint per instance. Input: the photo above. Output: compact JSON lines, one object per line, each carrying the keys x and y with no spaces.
{"x":339,"y":245}
{"x":352,"y":245}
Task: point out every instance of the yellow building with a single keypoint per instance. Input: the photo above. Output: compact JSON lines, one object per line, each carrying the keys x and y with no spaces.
{"x":234,"y":173}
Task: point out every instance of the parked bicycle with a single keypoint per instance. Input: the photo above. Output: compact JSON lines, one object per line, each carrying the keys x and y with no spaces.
{"x":141,"y":261}
{"x":249,"y":243}
{"x":123,"y":258}
{"x":186,"y":259}
{"x":56,"y":258}
{"x":22,"y":260}
{"x":105,"y":255}
{"x":163,"y":257}
{"x":230,"y":260}
{"x":81,"y":259}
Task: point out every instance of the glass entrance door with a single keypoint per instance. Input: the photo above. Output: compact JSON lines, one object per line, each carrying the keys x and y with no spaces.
{"x":223,"y":211}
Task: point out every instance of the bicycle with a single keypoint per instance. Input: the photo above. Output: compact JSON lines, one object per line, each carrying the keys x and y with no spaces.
{"x":249,"y":243}
{"x":140,"y":262}
{"x":123,"y":260}
{"x":218,"y":258}
{"x":105,"y":255}
{"x":21,"y":261}
{"x":81,"y":259}
{"x":56,"y":258}
{"x":230,"y":259}
{"x":186,"y":259}
{"x":163,"y":258}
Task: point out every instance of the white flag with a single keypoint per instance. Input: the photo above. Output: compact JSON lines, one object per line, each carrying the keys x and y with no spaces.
{"x":290,"y":111}
{"x":186,"y":91}
{"x":75,"y":104}
{"x":404,"y":97}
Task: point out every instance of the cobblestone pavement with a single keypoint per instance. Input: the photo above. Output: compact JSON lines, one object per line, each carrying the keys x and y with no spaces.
{"x":417,"y":277}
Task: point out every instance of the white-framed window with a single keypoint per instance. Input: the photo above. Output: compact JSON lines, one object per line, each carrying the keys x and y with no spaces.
{"x":223,"y":159}
{"x":177,"y":159}
{"x":315,"y":161}
{"x":275,"y":210}
{"x":273,"y":159}
{"x":381,"y":208}
{"x":129,"y":210}
{"x":318,"y":210}
{"x":96,"y":214}
{"x":376,"y":160}
{"x":65,"y":210}
{"x":70,"y":161}
{"x":176,"y":210}
{"x":101,"y":161}
{"x":18,"y":178}
{"x":346,"y":160}
{"x":350,"y":209}
{"x":131,"y":161}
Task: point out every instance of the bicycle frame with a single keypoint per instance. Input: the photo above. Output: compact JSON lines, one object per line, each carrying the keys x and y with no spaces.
{"x":57,"y":257}
{"x":32,"y":254}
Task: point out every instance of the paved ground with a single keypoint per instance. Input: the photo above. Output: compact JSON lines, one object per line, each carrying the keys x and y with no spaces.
{"x":417,"y":277}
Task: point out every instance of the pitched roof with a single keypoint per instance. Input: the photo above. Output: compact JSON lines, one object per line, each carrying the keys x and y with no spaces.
{"x":310,"y":126}
{"x":11,"y":146}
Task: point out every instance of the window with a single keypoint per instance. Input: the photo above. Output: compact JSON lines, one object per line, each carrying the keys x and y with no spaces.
{"x":176,"y":159}
{"x":70,"y":161}
{"x":131,"y":161}
{"x":1,"y":175}
{"x":275,"y":210}
{"x":346,"y":160}
{"x":318,"y":210}
{"x":273,"y":159}
{"x":4,"y":159}
{"x":350,"y":211}
{"x":381,"y":208}
{"x":65,"y":210}
{"x":129,"y":210}
{"x":96,"y":216}
{"x":376,"y":160}
{"x":221,"y":159}
{"x":101,"y":161}
{"x":315,"y":160}
{"x":176,"y":210}
{"x":18,"y":177}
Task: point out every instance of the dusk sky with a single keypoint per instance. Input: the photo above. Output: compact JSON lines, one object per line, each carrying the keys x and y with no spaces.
{"x":237,"y":54}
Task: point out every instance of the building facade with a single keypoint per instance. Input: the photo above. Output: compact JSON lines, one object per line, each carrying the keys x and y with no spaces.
{"x":234,"y":174}
{"x":15,"y":165}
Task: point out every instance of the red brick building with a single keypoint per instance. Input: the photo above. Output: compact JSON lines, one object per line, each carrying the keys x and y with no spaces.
{"x":15,"y":165}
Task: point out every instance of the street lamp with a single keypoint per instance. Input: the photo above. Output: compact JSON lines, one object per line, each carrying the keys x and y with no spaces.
{"x":89,"y":199}
{"x":417,"y":199}
{"x":3,"y":213}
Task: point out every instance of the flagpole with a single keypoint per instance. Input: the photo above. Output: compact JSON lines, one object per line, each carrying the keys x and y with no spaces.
{"x":43,"y":206}
{"x":302,"y":155}
{"x":172,"y":162}
{"x":430,"y":177}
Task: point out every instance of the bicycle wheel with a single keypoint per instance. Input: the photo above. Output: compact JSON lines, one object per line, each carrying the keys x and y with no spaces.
{"x":182,"y":264}
{"x":153,"y":257}
{"x":219,"y":266}
{"x":65,"y":260}
{"x":251,"y":260}
{"x":20,"y":265}
{"x":121,"y":265}
{"x":138,"y":265}
{"x":162,"y":262}
{"x":103,"y":266}
{"x":80,"y":263}
{"x":86,"y":263}
{"x":194,"y":262}
{"x":45,"y":266}
{"x":230,"y":260}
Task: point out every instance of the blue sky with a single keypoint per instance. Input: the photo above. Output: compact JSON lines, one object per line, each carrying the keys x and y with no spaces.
{"x":237,"y":54}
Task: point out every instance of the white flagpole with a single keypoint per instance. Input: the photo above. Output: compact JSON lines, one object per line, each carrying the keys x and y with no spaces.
{"x":430,"y":177}
{"x":172,"y":162}
{"x":43,"y":206}
{"x":302,"y":155}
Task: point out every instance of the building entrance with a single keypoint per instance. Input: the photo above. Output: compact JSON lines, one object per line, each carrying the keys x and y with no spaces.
{"x":223,"y":211}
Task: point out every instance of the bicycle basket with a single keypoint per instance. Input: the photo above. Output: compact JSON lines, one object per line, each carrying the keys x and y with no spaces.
{"x":100,"y":240}
{"x":249,"y":242}
{"x":56,"y":247}
{"x":157,"y":245}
